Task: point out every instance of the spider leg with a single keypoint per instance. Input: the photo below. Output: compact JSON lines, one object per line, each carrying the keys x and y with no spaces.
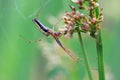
{"x":67,"y":51}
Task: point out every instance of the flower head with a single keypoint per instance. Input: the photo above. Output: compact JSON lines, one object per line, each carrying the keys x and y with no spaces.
{"x":87,"y":23}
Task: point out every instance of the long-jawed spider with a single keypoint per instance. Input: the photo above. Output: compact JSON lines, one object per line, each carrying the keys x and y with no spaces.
{"x":46,"y":31}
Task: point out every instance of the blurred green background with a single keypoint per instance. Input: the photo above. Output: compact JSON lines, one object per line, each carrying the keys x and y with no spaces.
{"x":45,"y":60}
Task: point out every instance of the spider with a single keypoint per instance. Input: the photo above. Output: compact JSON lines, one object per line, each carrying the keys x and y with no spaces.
{"x":49,"y":32}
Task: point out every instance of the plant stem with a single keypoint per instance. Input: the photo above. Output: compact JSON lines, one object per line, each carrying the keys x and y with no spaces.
{"x":99,"y":47}
{"x":100,"y":56}
{"x":85,"y":56}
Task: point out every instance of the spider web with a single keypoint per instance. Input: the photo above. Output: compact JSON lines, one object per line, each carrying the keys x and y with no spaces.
{"x":21,"y":13}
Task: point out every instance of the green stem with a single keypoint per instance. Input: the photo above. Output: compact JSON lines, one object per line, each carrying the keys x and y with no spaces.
{"x":85,"y":56}
{"x":99,"y":47}
{"x":100,"y":56}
